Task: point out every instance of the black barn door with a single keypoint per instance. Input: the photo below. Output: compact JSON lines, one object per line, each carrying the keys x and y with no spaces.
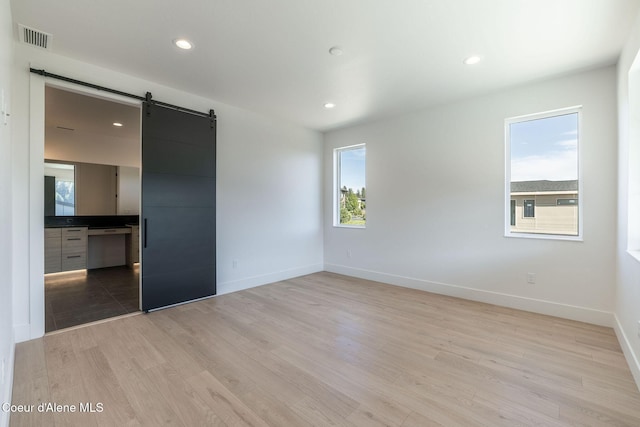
{"x":178,"y":207}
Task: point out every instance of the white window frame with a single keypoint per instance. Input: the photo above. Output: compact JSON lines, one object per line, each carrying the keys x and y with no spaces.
{"x":507,"y":194}
{"x":633,"y":147}
{"x":337,"y":185}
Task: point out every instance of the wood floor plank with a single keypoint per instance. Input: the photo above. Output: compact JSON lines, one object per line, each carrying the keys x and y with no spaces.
{"x":325,"y":349}
{"x":134,"y":385}
{"x":66,"y":382}
{"x":103,"y":387}
{"x":166,"y":346}
{"x":318,"y":414}
{"x":181,"y":397}
{"x":418,"y":420}
{"x":228,"y":407}
{"x":266,"y":393}
{"x":357,"y":386}
{"x":31,"y":385}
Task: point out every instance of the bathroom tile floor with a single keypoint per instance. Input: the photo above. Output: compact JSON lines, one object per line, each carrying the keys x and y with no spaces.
{"x":75,"y":298}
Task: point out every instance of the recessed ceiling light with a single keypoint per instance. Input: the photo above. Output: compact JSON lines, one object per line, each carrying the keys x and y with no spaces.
{"x":472,"y":60}
{"x":335,"y":51}
{"x":329,"y":105}
{"x":183,"y":44}
{"x":117,"y":124}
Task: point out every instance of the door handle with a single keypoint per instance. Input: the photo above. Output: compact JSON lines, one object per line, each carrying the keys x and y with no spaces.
{"x":146,"y":231}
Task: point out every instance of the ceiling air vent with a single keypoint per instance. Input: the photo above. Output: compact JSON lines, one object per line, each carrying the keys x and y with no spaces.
{"x":34,"y":37}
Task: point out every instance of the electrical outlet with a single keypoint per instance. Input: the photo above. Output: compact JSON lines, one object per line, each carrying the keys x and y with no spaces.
{"x":234,"y":263}
{"x":348,"y":253}
{"x":638,"y":328}
{"x":531,"y":278}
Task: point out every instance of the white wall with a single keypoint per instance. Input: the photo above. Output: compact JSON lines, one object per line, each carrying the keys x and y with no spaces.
{"x":627,"y":306}
{"x":88,"y":147}
{"x":96,"y":189}
{"x":268,"y":186}
{"x":6,"y":330}
{"x":128,"y":190}
{"x":60,"y":173}
{"x":435,"y":203}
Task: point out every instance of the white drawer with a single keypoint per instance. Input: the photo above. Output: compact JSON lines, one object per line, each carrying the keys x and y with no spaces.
{"x":107,"y":231}
{"x":74,"y":232}
{"x":74,"y":239}
{"x":74,"y":243}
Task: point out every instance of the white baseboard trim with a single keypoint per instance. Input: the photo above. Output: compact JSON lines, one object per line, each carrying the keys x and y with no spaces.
{"x":629,"y":354}
{"x":252,"y":282}
{"x":581,"y":314}
{"x":8,"y":385}
{"x":22,"y":333}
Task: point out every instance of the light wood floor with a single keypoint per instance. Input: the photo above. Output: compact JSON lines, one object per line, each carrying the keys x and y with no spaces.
{"x":329,"y":350}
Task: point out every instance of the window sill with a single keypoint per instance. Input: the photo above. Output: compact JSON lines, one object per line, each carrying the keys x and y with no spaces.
{"x":545,"y":237}
{"x":361,"y":227}
{"x":634,"y":254}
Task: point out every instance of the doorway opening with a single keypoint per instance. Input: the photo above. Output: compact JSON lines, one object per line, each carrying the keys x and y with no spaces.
{"x":91,"y":213}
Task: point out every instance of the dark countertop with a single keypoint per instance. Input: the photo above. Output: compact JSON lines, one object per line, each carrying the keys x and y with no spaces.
{"x":91,"y":221}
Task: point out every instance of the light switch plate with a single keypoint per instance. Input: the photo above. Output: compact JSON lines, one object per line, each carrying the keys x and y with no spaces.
{"x":3,"y":107}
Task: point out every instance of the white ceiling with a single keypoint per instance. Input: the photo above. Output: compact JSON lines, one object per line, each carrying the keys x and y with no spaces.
{"x":72,"y":112}
{"x":272,"y":56}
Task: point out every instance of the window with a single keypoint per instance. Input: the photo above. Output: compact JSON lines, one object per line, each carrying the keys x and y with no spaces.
{"x":529,"y":209}
{"x":542,"y":168}
{"x":350,"y":199}
{"x":513,"y":212}
{"x":60,"y":198}
{"x":567,"y":202}
{"x":630,"y":142}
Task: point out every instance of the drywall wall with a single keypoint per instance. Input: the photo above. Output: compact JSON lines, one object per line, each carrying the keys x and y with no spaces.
{"x":79,"y":146}
{"x":128,"y":190}
{"x":435,"y":203}
{"x":627,"y":303}
{"x":6,"y":323}
{"x":268,"y":186}
{"x":96,"y":188}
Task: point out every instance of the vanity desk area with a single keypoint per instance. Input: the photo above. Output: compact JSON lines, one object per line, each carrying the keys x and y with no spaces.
{"x":113,"y":246}
{"x":87,"y":242}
